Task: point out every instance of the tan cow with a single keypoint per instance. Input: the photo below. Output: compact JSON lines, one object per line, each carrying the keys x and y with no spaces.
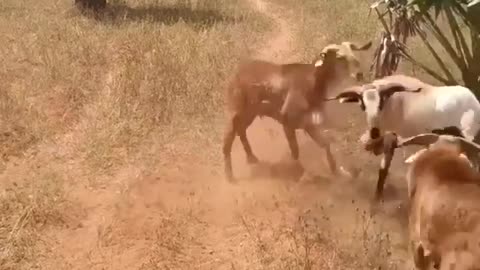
{"x":444,"y":192}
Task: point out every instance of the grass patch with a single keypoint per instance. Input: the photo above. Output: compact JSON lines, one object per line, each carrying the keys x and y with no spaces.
{"x":145,"y":71}
{"x":27,"y":209}
{"x":315,"y":241}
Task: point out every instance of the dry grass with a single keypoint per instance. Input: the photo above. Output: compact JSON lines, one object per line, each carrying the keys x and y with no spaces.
{"x":101,"y":90}
{"x":314,"y":241}
{"x":351,"y":20}
{"x":84,"y":97}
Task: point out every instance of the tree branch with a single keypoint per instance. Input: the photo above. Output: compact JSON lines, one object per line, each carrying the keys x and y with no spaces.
{"x":427,"y":69}
{"x":444,"y":42}
{"x":435,"y":54}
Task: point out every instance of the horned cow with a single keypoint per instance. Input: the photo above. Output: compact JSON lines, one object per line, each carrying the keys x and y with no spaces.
{"x":387,"y":144}
{"x":293,"y":94}
{"x":444,"y":200}
{"x":407,"y":106}
{"x":444,"y":193}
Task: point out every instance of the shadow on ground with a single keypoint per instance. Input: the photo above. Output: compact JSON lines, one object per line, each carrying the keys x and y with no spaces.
{"x":168,"y":15}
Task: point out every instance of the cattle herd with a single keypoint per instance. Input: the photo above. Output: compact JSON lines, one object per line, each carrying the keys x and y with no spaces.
{"x":442,"y":178}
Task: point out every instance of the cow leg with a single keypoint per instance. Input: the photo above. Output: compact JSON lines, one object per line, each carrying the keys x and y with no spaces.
{"x":292,"y":141}
{"x":382,"y":174}
{"x":269,"y":109}
{"x":228,"y":139}
{"x":241,"y":128}
{"x":316,"y":134}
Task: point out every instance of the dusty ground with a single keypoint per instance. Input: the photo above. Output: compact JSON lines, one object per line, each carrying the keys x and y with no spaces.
{"x":184,"y":215}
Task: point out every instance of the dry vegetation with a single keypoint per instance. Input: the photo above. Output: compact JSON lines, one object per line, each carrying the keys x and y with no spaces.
{"x":352,"y":20}
{"x":110,"y":141}
{"x":82,"y":97}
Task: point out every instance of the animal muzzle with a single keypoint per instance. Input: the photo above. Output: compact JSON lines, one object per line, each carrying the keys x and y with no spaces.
{"x":374,"y":133}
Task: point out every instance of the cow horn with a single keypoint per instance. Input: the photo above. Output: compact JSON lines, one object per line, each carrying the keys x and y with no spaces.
{"x":421,"y":139}
{"x":351,"y":94}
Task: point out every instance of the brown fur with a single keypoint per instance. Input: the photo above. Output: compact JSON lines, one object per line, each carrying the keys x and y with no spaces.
{"x":288,"y":93}
{"x":460,"y":249}
{"x":445,"y":203}
{"x":444,"y":166}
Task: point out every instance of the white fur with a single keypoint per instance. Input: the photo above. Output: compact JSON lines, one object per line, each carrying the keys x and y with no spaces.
{"x":414,"y":156}
{"x":383,"y":163}
{"x":409,"y":114}
{"x":371,"y":99}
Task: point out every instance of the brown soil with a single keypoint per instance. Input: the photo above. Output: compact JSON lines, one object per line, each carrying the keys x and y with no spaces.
{"x":186,"y":215}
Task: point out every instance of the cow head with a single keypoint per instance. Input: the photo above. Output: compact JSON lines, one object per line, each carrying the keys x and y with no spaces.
{"x":372,"y":99}
{"x":348,"y":65}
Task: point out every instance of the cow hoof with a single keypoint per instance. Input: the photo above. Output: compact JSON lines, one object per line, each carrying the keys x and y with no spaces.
{"x":252,"y":159}
{"x":232,"y":179}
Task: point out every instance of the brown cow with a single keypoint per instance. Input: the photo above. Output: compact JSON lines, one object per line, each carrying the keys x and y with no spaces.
{"x":293,"y":94}
{"x":444,"y":192}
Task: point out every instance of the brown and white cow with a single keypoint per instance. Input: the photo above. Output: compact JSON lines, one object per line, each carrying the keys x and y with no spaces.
{"x":293,"y":94}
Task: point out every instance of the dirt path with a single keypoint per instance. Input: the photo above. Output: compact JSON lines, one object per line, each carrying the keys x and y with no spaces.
{"x":182,"y":216}
{"x":186,"y":216}
{"x":280,"y":45}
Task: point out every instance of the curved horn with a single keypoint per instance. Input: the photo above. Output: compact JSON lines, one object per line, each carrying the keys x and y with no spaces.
{"x":449,"y":130}
{"x":393,"y":87}
{"x":362,"y":48}
{"x":351,"y":94}
{"x":421,"y":139}
{"x":468,"y":146}
{"x":331,"y":48}
{"x":429,"y":138}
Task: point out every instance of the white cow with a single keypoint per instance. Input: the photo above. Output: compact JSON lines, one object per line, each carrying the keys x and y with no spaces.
{"x":407,"y":106}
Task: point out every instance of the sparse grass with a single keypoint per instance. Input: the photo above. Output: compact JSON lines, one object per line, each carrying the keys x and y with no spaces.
{"x":141,"y":73}
{"x":28,"y":208}
{"x":315,"y":241}
{"x":323,"y":21}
